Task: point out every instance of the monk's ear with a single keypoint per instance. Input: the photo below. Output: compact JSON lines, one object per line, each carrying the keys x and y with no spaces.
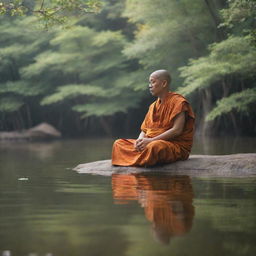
{"x":164,"y":83}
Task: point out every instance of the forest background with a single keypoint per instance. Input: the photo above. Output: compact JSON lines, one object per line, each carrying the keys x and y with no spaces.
{"x":87,"y":74}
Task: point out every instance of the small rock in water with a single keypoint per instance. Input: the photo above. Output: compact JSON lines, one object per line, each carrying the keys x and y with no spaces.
{"x":6,"y":253}
{"x":23,"y":178}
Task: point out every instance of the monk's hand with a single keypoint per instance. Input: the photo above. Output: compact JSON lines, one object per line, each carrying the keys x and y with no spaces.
{"x":136,"y":144}
{"x":141,"y":144}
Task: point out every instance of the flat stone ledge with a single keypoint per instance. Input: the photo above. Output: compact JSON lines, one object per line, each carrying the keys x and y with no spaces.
{"x":235,"y":165}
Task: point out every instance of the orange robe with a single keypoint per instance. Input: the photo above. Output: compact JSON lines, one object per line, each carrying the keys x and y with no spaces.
{"x":160,"y":118}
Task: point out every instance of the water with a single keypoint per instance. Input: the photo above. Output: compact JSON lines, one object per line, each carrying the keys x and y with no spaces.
{"x":48,"y":209}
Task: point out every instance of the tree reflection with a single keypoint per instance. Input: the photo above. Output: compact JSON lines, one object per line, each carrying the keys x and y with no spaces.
{"x":167,"y":201}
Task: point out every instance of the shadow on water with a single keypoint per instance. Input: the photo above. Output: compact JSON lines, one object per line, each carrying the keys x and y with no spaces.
{"x":167,"y":201}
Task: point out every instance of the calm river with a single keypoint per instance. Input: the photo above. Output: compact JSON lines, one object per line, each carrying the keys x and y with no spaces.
{"x":49,"y":210}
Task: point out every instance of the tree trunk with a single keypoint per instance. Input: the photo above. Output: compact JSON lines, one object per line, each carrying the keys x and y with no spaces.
{"x":225,"y":88}
{"x":207,"y":107}
{"x":105,"y":126}
{"x":234,"y":122}
{"x":86,"y":124}
{"x":216,"y":20}
{"x":30,"y":123}
{"x":191,"y":36}
{"x":60,"y":121}
{"x":78,"y":124}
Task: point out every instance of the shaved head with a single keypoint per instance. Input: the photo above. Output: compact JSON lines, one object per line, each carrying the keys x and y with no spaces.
{"x":162,"y":74}
{"x":159,"y":82}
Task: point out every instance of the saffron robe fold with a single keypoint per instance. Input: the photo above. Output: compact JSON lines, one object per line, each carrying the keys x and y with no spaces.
{"x":160,"y":118}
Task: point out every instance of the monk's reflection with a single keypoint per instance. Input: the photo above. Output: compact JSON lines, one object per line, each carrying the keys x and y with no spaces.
{"x":167,"y":201}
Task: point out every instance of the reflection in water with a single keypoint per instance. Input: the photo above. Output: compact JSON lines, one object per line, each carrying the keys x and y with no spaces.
{"x":167,"y":201}
{"x":41,"y":150}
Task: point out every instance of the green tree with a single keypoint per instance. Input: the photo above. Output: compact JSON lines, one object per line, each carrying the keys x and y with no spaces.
{"x":79,"y":70}
{"x":19,"y":45}
{"x":168,"y":33}
{"x":227,"y":74}
{"x":87,"y":70}
{"x":98,"y":68}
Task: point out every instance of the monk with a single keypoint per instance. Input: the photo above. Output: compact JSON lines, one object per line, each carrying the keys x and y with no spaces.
{"x":166,"y":132}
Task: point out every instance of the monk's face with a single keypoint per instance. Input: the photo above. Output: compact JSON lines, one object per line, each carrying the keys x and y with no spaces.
{"x":156,"y":85}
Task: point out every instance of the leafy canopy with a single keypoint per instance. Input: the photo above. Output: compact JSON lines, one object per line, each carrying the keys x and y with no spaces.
{"x":50,"y":12}
{"x":240,"y":101}
{"x":234,"y":55}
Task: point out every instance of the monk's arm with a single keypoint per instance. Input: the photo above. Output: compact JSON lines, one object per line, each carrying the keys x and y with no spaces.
{"x":175,"y":131}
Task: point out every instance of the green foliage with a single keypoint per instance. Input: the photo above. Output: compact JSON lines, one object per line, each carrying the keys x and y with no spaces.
{"x":107,"y":107}
{"x":79,"y":69}
{"x":73,"y":91}
{"x":50,"y":12}
{"x":100,"y":66}
{"x":21,"y":87}
{"x":240,"y":101}
{"x":234,"y":55}
{"x":168,"y":33}
{"x":13,"y":7}
{"x":10,"y":104}
{"x":18,"y":45}
{"x":100,"y":82}
{"x":239,"y":18}
{"x":239,"y":12}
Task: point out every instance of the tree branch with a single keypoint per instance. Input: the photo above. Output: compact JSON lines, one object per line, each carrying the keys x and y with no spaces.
{"x":42,"y":5}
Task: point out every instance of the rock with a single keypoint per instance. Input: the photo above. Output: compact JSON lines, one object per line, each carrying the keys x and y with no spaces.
{"x":14,"y":136}
{"x":235,"y":165}
{"x":42,"y":131}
